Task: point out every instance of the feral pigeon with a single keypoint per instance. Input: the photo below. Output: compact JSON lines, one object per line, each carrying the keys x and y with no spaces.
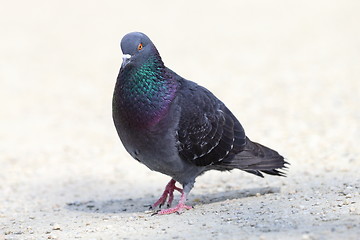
{"x":177,"y":127}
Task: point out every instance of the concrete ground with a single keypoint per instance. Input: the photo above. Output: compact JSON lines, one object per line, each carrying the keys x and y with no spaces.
{"x":290,"y":72}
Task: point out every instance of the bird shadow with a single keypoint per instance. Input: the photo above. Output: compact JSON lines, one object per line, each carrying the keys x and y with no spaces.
{"x":134,"y":205}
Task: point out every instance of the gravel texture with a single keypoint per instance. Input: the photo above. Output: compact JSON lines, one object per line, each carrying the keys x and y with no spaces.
{"x":289,"y":70}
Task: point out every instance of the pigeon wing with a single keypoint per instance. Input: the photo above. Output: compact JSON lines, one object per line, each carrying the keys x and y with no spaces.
{"x":208,"y":132}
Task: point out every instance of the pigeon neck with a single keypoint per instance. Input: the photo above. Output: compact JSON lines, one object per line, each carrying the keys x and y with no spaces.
{"x":145,"y":92}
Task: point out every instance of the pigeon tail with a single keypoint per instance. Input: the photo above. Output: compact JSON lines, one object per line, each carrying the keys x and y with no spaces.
{"x":257,"y":159}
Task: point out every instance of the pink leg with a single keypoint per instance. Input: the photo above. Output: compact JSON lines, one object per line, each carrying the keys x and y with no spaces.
{"x":181,"y":206}
{"x":171,"y":195}
{"x":169,"y":191}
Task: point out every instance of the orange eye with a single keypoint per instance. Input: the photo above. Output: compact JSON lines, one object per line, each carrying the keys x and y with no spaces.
{"x":140,"y":46}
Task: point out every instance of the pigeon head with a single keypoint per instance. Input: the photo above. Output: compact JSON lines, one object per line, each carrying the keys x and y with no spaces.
{"x":144,"y":87}
{"x":136,"y":48}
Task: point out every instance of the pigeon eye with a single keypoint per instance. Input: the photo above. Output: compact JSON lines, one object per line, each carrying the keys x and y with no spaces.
{"x":140,"y":46}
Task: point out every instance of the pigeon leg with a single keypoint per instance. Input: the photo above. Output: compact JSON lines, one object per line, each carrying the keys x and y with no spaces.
{"x":171,"y":195}
{"x":181,"y":206}
{"x":169,"y":191}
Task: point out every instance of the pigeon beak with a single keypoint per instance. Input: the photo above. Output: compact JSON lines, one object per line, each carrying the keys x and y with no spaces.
{"x":126,"y":60}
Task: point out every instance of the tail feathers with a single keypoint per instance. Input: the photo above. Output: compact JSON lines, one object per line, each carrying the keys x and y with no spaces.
{"x":257,"y":159}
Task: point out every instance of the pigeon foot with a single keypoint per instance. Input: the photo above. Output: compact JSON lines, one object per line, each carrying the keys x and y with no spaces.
{"x":168,"y":193}
{"x":179,"y":208}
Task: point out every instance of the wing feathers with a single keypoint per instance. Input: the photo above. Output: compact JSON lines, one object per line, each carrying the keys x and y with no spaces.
{"x":210,"y":135}
{"x":208,"y":131}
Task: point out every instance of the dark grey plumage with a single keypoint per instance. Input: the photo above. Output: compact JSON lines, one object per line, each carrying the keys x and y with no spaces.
{"x":177,"y":127}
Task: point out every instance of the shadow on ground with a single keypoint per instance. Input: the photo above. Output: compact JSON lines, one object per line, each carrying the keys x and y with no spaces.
{"x":131,"y":205}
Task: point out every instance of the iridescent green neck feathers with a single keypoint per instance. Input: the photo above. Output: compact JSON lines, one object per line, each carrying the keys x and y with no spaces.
{"x":144,"y":92}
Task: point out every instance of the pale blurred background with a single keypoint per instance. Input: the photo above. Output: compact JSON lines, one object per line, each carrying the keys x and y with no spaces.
{"x":289,"y":70}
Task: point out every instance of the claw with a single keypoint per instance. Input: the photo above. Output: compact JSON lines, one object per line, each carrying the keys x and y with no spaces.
{"x":178,"y":209}
{"x":149,"y":206}
{"x":155,"y":213}
{"x":168,"y":194}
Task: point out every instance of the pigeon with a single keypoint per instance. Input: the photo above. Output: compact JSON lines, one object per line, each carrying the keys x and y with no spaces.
{"x":177,"y":127}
